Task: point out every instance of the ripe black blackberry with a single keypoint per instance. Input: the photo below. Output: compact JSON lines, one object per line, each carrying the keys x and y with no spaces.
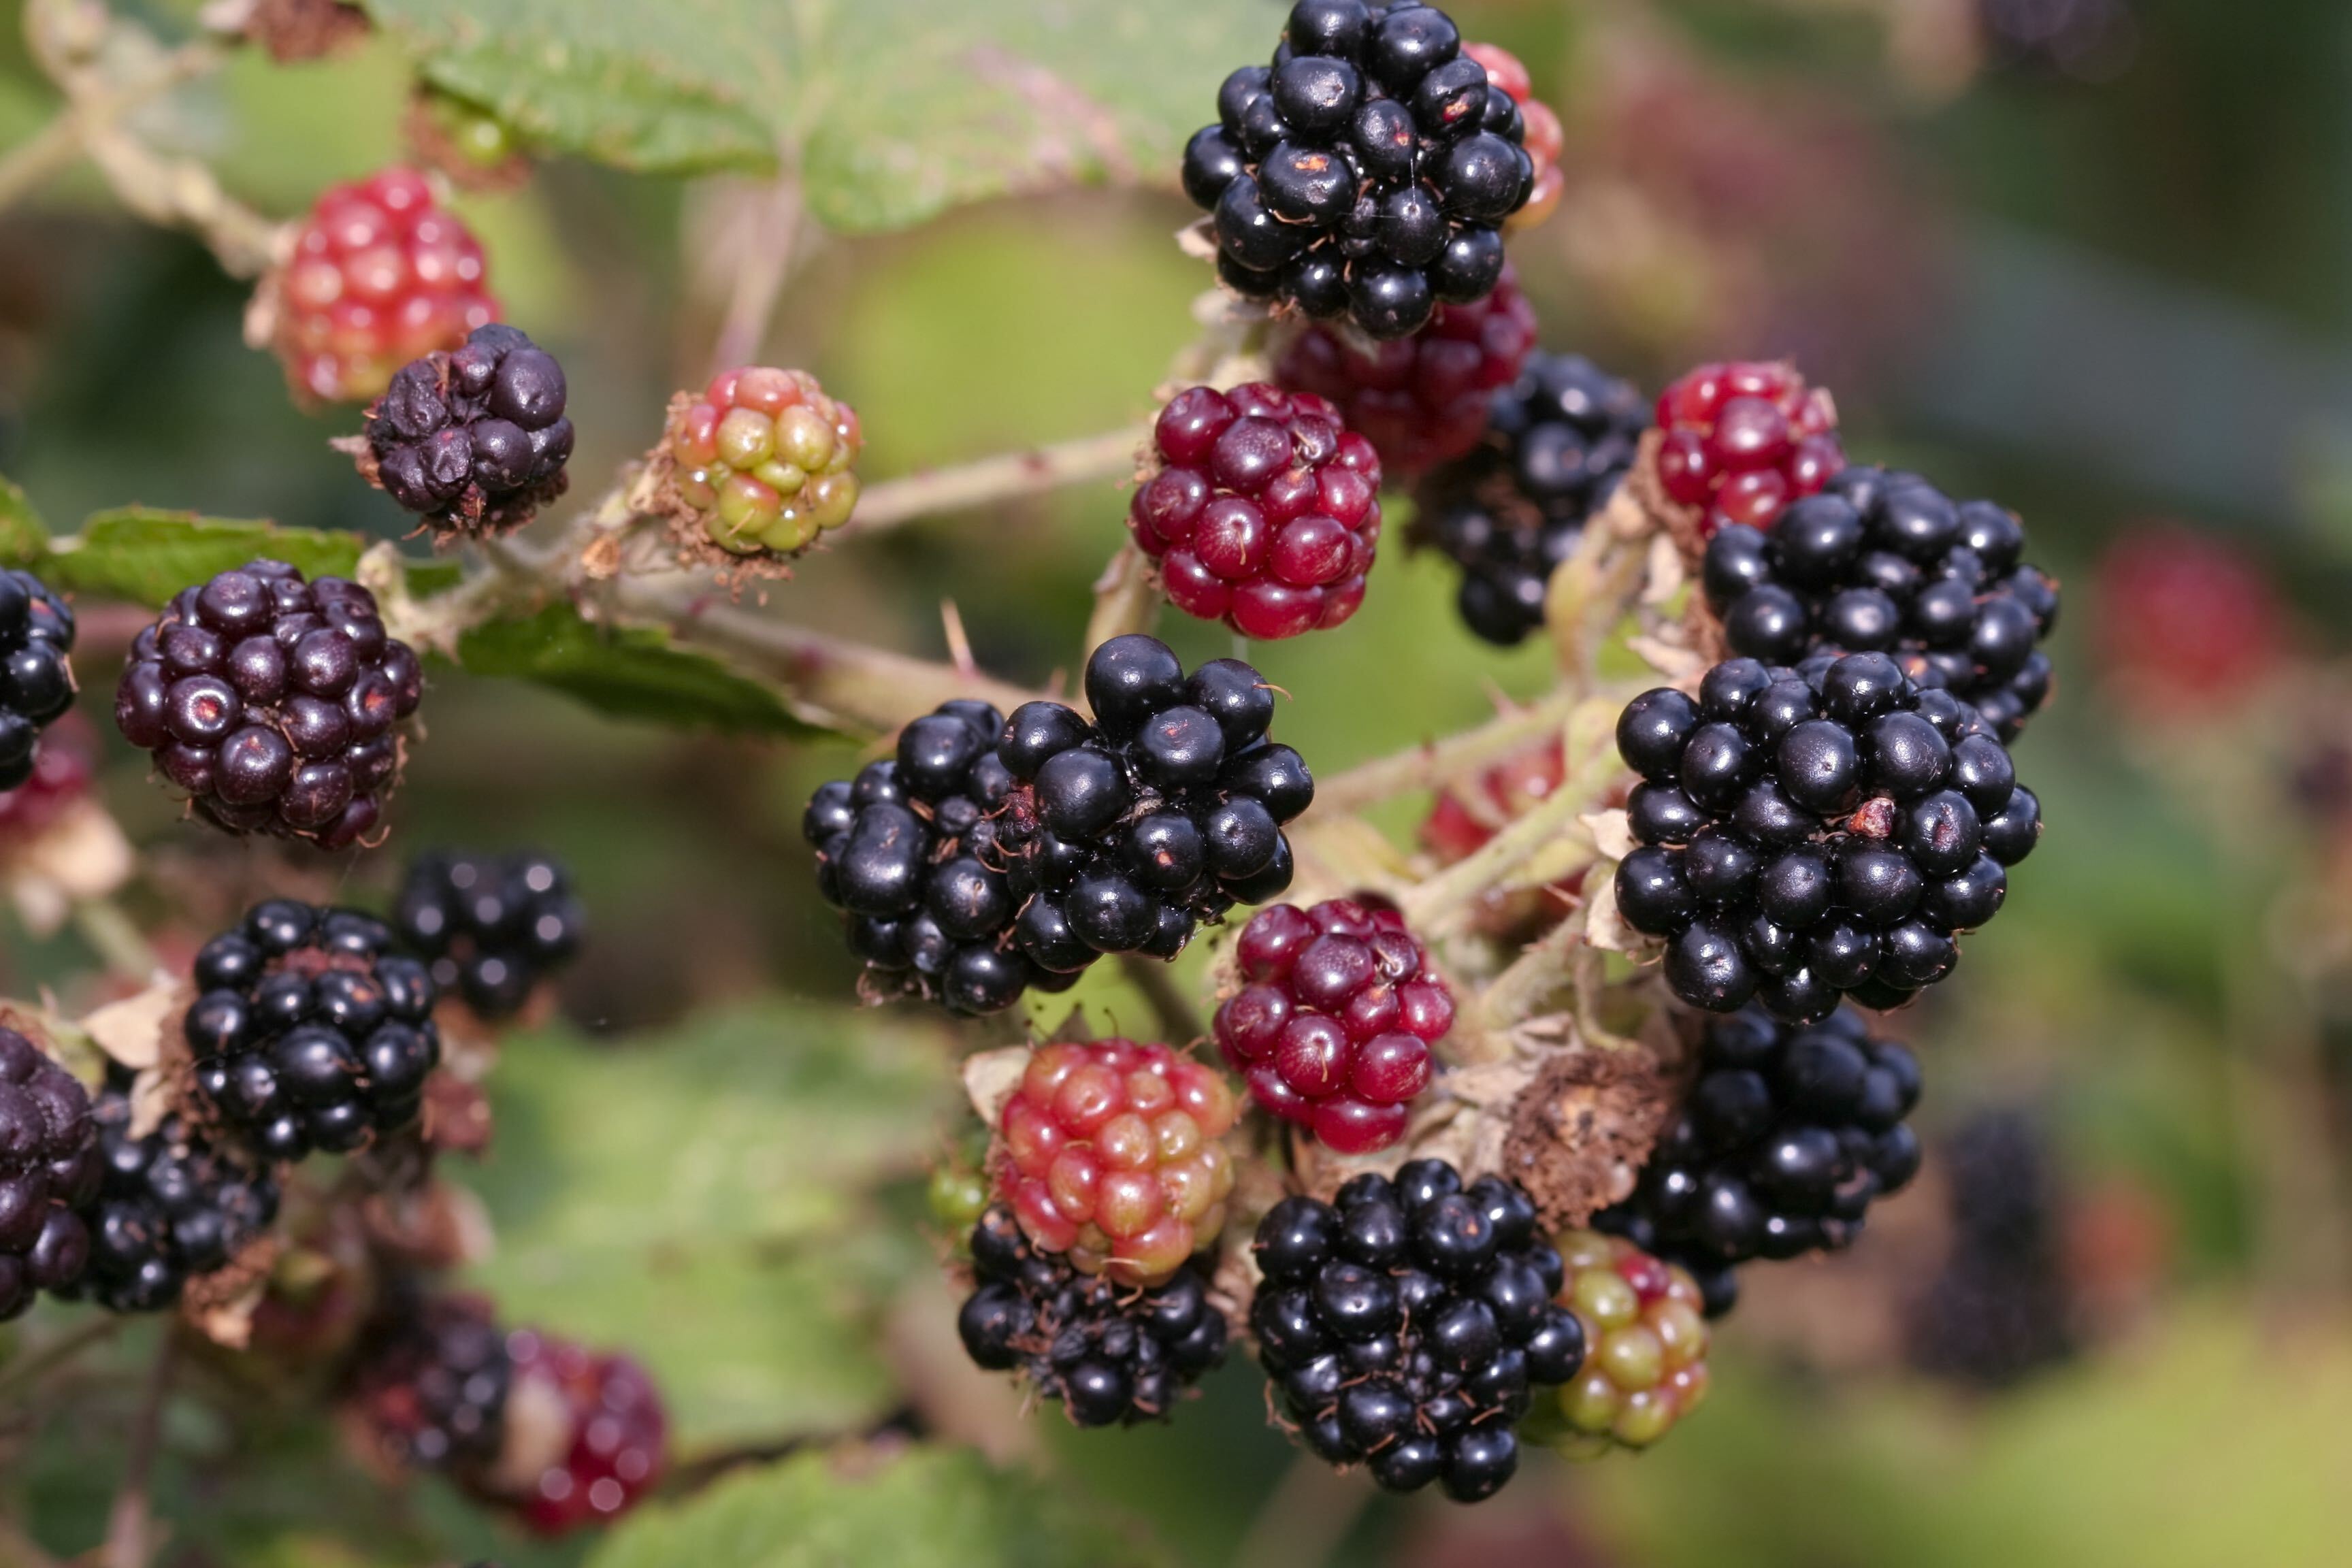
{"x":1999,"y":1309}
{"x":272,"y":702}
{"x":492,"y":927}
{"x":429,"y":1382}
{"x":993,"y":855}
{"x":49,"y":1167}
{"x":1787,"y":1137}
{"x":1365,"y":173}
{"x":1557,"y":442}
{"x":1881,"y":561}
{"x":473,"y":440}
{"x":1815,"y":833}
{"x":1408,"y":1325}
{"x":172,"y":1206}
{"x":1111,"y":1354}
{"x":37,"y":683}
{"x":309,"y":1033}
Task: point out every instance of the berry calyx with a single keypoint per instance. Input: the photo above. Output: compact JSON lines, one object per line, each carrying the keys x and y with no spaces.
{"x":1555,"y":447}
{"x":1882,"y":561}
{"x":173,"y":1207}
{"x":1787,"y":1138}
{"x":474,"y":440}
{"x":50,"y":1168}
{"x":1109,"y":1354}
{"x":1263,"y":510}
{"x":379,"y":275}
{"x":1419,"y":400}
{"x":1364,"y":173}
{"x":492,"y":927}
{"x":1332,"y":1027}
{"x":1645,"y":1369}
{"x":1742,"y":440}
{"x":760,"y":464}
{"x":1810,"y":833}
{"x":1409,"y":1324}
{"x":1108,"y":1154}
{"x":309,"y":1033}
{"x":273,"y":702}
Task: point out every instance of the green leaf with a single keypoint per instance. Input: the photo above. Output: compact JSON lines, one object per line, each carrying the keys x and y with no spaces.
{"x":145,"y":556}
{"x":705,"y":1201}
{"x":898,"y":109}
{"x":929,"y":1508}
{"x":23,"y":540}
{"x":631,"y":672}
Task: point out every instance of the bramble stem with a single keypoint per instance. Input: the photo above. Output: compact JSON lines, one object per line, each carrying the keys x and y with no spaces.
{"x":127,"y":1542}
{"x":1305,"y":1518}
{"x":768,"y":261}
{"x":116,"y":938}
{"x":18,"y":1549}
{"x":1125,"y":600}
{"x":31,"y":1367}
{"x":1435,"y":763}
{"x":1007,"y":476}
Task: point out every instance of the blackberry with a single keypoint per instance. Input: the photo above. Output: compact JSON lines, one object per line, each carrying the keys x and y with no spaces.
{"x":1886,"y":562}
{"x":1816,"y":833}
{"x":1410,"y":1324}
{"x":1110,"y":1355}
{"x":613,"y":1433}
{"x":379,"y":274}
{"x":991,"y":855}
{"x":308,"y":1033}
{"x":1366,"y":171}
{"x":1787,"y":1137}
{"x":908,"y":851}
{"x":172,"y":1206}
{"x":1646,"y":1369}
{"x":491,"y":927}
{"x":49,"y":1168}
{"x":429,"y":1383}
{"x":1264,"y":512}
{"x":761,"y":461}
{"x":37,"y":683}
{"x":1332,"y":1026}
{"x":1740,"y":441}
{"x":1558,"y":443}
{"x":1542,"y":135}
{"x":1999,"y":1309}
{"x":473,"y":440}
{"x":273,"y":702}
{"x":1108,"y":1154}
{"x":1419,"y":400}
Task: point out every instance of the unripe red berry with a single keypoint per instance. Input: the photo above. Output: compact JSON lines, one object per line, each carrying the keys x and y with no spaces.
{"x":763,"y":461}
{"x":1741,"y":440}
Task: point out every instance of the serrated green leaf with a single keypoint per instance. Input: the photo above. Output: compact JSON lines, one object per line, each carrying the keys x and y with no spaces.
{"x":24,"y":539}
{"x":929,"y":1508}
{"x":702,"y":1200}
{"x":628,"y":672}
{"x":145,"y":556}
{"x":897,"y":108}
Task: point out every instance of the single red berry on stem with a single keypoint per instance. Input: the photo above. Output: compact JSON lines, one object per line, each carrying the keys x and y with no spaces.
{"x":379,"y":274}
{"x":1332,"y":1029}
{"x":617,"y":1431}
{"x":1265,"y":513}
{"x":1739,"y":441}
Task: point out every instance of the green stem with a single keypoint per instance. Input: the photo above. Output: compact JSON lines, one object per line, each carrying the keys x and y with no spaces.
{"x":25,"y":1370}
{"x":1435,"y":764}
{"x":116,"y":938}
{"x":1008,"y":476}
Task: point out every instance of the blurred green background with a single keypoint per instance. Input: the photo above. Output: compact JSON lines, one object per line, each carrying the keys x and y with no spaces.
{"x":2101,"y":280}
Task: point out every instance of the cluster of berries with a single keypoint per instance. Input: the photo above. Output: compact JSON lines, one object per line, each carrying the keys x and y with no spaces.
{"x":1787,"y":1138}
{"x":1556,"y":446}
{"x":1108,"y":1155}
{"x":1366,"y":171}
{"x":1885,"y":563}
{"x":273,"y":702}
{"x":492,"y":928}
{"x":1332,"y":1029}
{"x":1264,"y":512}
{"x":1815,"y":833}
{"x":380,"y":274}
{"x":993,"y":855}
{"x":1410,"y":1324}
{"x":174,"y":1204}
{"x":763,"y":461}
{"x":1109,"y":1354}
{"x":560,"y":1435}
